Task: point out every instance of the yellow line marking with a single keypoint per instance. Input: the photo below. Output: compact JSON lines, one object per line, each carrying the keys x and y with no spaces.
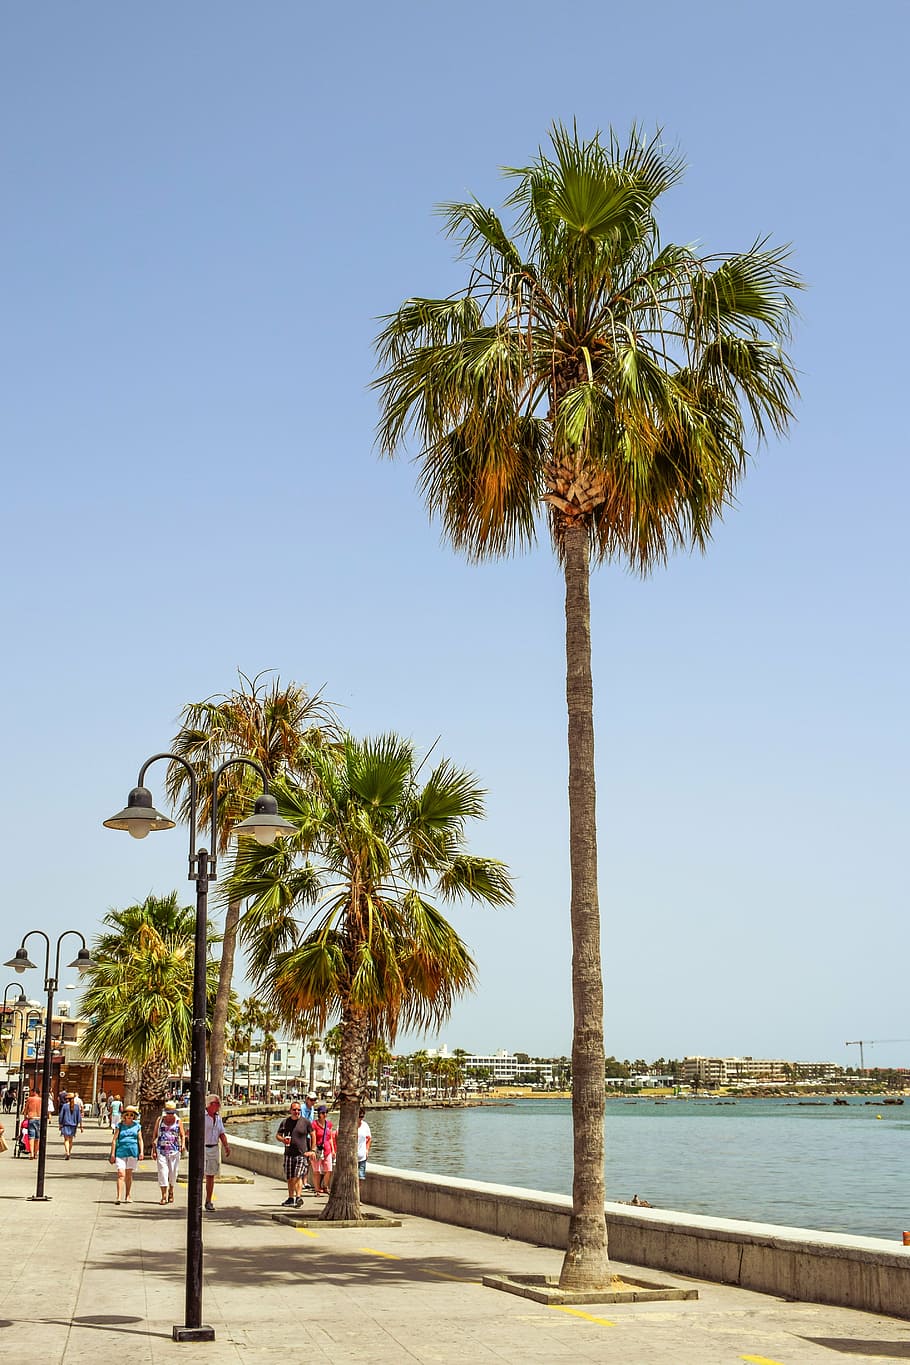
{"x":759,"y":1360}
{"x":371,"y":1251}
{"x":588,"y":1317}
{"x":459,"y":1279}
{"x":305,"y":1232}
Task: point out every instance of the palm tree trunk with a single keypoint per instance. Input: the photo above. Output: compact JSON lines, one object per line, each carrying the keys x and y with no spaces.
{"x":586,"y":1264}
{"x":222,"y":999}
{"x":152,"y":1094}
{"x":131,"y":1078}
{"x":312,"y":1068}
{"x":268,"y":1076}
{"x":344,"y":1200}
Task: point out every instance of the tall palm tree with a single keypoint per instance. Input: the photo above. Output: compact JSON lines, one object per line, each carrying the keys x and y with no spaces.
{"x":139,"y":995}
{"x":590,"y":375}
{"x":264,"y":720}
{"x":374,"y":950}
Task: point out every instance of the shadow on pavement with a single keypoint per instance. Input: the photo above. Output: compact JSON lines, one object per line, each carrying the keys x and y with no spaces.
{"x":299,"y":1259}
{"x":888,"y":1350}
{"x":106,"y":1323}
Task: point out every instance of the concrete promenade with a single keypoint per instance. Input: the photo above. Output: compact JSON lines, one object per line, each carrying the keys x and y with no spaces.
{"x":84,"y":1280}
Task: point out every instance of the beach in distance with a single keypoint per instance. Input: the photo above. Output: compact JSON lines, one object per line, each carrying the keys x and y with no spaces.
{"x":795,"y":1162}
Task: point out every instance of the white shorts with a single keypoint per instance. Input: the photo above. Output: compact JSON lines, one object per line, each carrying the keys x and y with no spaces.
{"x":126,"y":1163}
{"x":168,"y":1163}
{"x":213,"y":1160}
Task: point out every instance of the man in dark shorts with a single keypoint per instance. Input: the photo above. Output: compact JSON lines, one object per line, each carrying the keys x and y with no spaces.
{"x":296,"y":1133}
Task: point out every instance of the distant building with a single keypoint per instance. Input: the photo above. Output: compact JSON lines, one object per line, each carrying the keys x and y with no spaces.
{"x":505,"y":1068}
{"x":710,"y":1072}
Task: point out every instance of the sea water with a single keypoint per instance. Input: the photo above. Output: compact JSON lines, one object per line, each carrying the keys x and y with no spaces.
{"x":835,"y":1168}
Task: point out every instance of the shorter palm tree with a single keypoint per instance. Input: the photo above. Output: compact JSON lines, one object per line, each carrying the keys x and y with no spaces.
{"x":375,"y":949}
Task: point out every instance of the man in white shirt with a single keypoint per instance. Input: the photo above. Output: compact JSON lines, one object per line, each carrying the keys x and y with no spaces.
{"x":215,"y":1139}
{"x":364,"y":1142}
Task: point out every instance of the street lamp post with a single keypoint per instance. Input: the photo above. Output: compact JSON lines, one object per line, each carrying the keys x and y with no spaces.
{"x":21,"y":963}
{"x":27,"y":1026}
{"x":139,"y":818}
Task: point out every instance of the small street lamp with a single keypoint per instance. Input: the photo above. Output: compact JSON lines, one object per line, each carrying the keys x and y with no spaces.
{"x":31,"y":1021}
{"x":20,"y":1004}
{"x":21,"y":963}
{"x":139,"y":818}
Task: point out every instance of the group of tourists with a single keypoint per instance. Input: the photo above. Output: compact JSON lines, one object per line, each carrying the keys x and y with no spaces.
{"x":307,"y":1134}
{"x":169,"y":1144}
{"x":309,"y":1148}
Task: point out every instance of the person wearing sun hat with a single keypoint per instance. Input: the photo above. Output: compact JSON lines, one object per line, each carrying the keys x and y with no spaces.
{"x":126,"y":1152}
{"x":170,"y":1142}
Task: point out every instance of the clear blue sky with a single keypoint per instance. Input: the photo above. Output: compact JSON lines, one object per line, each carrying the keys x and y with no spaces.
{"x":205,"y":210}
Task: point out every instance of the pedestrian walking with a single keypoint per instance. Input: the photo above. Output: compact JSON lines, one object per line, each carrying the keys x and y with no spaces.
{"x":322,"y":1160}
{"x":103,"y":1116}
{"x":215,"y":1139}
{"x":364,"y":1143}
{"x":170,"y":1143}
{"x":32,"y":1114}
{"x":70,"y":1120}
{"x":114,"y":1110}
{"x":296,"y":1132}
{"x":126,"y":1152}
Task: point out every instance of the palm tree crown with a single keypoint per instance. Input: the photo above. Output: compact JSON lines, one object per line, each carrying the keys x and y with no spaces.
{"x":585,"y":367}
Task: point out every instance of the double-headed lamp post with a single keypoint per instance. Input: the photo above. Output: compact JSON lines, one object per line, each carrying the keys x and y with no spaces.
{"x":139,"y":818}
{"x":22,"y":963}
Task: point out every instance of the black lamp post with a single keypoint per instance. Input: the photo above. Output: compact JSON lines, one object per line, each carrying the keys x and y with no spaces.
{"x":21,"y":963}
{"x":23,"y":1038}
{"x":139,"y":818}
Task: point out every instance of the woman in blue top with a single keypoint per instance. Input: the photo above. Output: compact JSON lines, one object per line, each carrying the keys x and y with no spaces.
{"x":126,"y":1152}
{"x":70,"y":1118}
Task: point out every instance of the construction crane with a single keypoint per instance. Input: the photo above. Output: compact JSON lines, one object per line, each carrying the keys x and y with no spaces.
{"x":871,"y":1042}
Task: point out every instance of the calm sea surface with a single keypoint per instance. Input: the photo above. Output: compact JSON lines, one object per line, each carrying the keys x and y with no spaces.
{"x":841,"y":1169}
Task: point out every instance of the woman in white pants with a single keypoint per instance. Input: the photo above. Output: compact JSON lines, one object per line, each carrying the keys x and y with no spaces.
{"x":170,"y":1141}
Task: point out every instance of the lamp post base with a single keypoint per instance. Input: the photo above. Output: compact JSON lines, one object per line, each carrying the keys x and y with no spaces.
{"x":39,"y":1198}
{"x":193,"y":1333}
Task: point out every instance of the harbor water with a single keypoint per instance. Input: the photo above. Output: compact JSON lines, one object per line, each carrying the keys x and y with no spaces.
{"x":837,"y":1168}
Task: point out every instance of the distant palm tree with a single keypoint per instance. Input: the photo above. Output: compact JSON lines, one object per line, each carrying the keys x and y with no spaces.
{"x":375,"y":949}
{"x":420,"y":1061}
{"x":593,"y":376}
{"x":139,"y":995}
{"x":268,"y":1022}
{"x":265,"y":721}
{"x":250,"y":1015}
{"x":332,"y":1045}
{"x":312,"y":1047}
{"x":380,"y":1056}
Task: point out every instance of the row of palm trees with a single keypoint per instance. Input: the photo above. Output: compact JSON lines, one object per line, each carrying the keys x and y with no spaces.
{"x":590,"y":377}
{"x":342,"y":921}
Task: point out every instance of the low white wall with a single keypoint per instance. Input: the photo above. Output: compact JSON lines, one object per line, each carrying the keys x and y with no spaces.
{"x":820,"y":1267}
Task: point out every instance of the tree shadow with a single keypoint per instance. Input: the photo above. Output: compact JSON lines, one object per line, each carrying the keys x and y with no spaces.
{"x":888,"y":1350}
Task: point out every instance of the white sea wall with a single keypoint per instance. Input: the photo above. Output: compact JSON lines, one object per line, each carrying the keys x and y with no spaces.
{"x":816,"y":1267}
